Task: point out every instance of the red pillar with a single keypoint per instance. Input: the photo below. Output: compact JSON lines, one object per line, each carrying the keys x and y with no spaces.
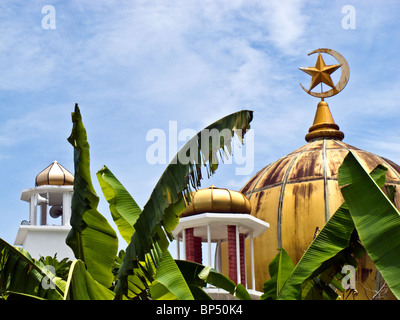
{"x":232,"y":256}
{"x":189,"y":244}
{"x":193,"y":246}
{"x":198,"y":254}
{"x":232,"y":253}
{"x":242,"y":261}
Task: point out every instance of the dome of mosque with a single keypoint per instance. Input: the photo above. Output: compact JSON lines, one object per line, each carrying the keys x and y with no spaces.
{"x":217,"y":200}
{"x":54,"y":174}
{"x":299,"y":192}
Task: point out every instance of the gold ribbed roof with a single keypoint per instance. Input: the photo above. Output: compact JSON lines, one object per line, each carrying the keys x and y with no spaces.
{"x":299,"y":192}
{"x":54,"y":174}
{"x":217,"y":200}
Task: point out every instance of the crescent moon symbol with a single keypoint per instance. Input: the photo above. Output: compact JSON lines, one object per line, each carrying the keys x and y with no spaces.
{"x":344,"y":77}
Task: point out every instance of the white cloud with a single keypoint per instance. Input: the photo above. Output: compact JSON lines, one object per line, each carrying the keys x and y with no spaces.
{"x":286,"y":23}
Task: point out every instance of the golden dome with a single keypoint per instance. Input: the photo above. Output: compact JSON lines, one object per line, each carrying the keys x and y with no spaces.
{"x":217,"y":200}
{"x":298,"y":193}
{"x":54,"y":174}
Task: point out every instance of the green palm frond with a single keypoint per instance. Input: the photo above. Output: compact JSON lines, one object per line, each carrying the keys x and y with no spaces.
{"x":22,"y":275}
{"x":168,"y":200}
{"x":91,"y":238}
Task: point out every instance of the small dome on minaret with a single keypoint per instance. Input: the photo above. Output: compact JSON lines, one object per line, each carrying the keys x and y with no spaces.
{"x":220,"y":216}
{"x":217,"y":200}
{"x":54,"y":174}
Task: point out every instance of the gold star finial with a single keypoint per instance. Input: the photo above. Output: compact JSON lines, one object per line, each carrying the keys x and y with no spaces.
{"x":321,"y":73}
{"x":324,"y":127}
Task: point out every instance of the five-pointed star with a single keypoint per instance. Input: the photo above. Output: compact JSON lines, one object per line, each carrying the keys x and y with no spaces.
{"x":321,"y":73}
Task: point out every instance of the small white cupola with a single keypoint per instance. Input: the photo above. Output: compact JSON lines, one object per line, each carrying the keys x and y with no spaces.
{"x":217,"y":216}
{"x":49,"y":213}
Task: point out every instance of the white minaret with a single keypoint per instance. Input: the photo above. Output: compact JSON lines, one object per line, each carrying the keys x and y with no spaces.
{"x":49,"y":214}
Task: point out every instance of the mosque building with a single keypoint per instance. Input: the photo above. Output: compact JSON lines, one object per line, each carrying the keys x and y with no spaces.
{"x":298,"y":193}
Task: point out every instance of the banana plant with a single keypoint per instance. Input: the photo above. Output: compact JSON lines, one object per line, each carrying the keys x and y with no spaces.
{"x":160,"y":215}
{"x":22,"y":277}
{"x":146,"y":266}
{"x":91,"y":237}
{"x":198,"y":276}
{"x":125,"y":211}
{"x":366,"y":221}
{"x":376,"y":220}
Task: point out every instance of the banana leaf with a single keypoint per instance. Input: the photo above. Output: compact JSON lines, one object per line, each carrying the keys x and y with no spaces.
{"x":329,"y":275}
{"x":169,"y":282}
{"x":123,"y":208}
{"x":82,"y":286}
{"x":17,"y":296}
{"x":375,"y":217}
{"x":211,"y":276}
{"x":125,"y":211}
{"x":198,"y":276}
{"x":333,"y":238}
{"x":91,"y":238}
{"x":61,"y":268}
{"x":168,"y":200}
{"x":23,"y":276}
{"x":326,"y":282}
{"x":139,"y":282}
{"x":280,"y":269}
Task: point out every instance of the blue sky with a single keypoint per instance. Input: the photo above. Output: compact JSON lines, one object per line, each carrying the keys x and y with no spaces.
{"x":134,"y":66}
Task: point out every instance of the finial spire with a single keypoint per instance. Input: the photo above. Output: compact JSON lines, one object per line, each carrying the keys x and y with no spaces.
{"x":324,"y":126}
